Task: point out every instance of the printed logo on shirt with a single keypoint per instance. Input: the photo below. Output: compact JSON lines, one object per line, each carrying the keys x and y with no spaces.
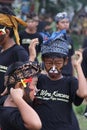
{"x":45,"y":95}
{"x":26,"y":41}
{"x":3,"y":68}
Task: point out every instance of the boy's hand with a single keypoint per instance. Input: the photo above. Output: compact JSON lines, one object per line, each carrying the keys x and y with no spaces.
{"x":17,"y":93}
{"x":32,"y":49}
{"x":77,"y":58}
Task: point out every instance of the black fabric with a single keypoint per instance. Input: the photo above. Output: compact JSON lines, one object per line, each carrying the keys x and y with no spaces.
{"x":25,"y":40}
{"x":84,"y":62}
{"x":84,"y":45}
{"x":11,"y":55}
{"x":68,"y":69}
{"x":54,"y":101}
{"x":10,"y":118}
{"x":6,"y":10}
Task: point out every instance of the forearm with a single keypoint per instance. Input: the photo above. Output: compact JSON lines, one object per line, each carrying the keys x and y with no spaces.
{"x":29,"y":116}
{"x":82,"y":83}
{"x":32,"y":49}
{"x":31,"y":58}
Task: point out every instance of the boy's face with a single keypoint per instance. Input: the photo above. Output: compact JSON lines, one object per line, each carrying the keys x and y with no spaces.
{"x":31,"y":24}
{"x":33,"y":89}
{"x":63,"y":24}
{"x":53,"y":67}
{"x":2,"y":34}
{"x":30,"y":88}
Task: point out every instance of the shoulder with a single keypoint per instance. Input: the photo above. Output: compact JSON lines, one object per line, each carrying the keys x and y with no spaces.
{"x":22,"y":33}
{"x":20,"y":52}
{"x":85,"y":51}
{"x":71,"y":79}
{"x":18,"y":47}
{"x":84,"y":54}
{"x":38,"y":35}
{"x":2,"y":99}
{"x":42,"y":77}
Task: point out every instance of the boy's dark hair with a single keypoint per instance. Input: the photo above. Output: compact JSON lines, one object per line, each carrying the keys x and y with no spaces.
{"x":9,"y":72}
{"x":53,"y":55}
{"x":6,"y":10}
{"x":11,"y":32}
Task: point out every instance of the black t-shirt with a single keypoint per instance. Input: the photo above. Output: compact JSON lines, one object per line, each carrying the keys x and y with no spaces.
{"x":25,"y":39}
{"x":11,"y":55}
{"x":10,"y":118}
{"x":84,"y":45}
{"x":54,"y":101}
{"x":68,"y":69}
{"x":84,"y":62}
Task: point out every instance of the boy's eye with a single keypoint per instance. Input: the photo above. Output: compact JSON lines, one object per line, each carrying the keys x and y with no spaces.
{"x":48,"y":63}
{"x":58,"y":63}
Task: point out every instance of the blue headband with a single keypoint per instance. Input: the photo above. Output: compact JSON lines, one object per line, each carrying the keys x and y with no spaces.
{"x":60,"y":16}
{"x":59,"y":46}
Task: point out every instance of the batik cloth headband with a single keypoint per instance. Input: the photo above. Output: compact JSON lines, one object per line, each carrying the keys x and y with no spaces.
{"x":56,"y":45}
{"x":23,"y":72}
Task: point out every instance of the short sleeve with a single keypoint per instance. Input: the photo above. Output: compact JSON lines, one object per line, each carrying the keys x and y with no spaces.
{"x":20,"y":54}
{"x":73,"y":88}
{"x":16,"y":120}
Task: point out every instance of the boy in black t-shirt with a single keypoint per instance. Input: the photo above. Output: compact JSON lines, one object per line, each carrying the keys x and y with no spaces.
{"x":56,"y":92}
{"x":10,"y":52}
{"x":16,"y":112}
{"x":30,"y":33}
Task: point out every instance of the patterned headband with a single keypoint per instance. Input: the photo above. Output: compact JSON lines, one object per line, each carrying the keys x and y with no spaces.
{"x":60,"y":16}
{"x":24,"y":71}
{"x":56,"y":45}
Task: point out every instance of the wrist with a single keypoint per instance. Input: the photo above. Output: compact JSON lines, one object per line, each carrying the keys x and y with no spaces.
{"x":32,"y":58}
{"x":77,"y":67}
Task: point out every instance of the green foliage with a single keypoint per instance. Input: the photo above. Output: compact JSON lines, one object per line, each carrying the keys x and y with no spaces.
{"x":77,"y":40}
{"x":80,"y":109}
{"x":80,"y":116}
{"x":82,"y":122}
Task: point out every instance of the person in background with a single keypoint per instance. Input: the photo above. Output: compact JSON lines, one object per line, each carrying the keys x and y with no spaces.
{"x":63,"y":23}
{"x":15,"y":111}
{"x":51,"y":24}
{"x":56,"y":91}
{"x":10,"y":49}
{"x":30,"y":33}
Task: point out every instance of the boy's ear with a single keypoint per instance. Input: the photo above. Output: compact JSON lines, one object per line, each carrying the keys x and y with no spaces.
{"x":18,"y":85}
{"x":7,"y":32}
{"x":66,"y":61}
